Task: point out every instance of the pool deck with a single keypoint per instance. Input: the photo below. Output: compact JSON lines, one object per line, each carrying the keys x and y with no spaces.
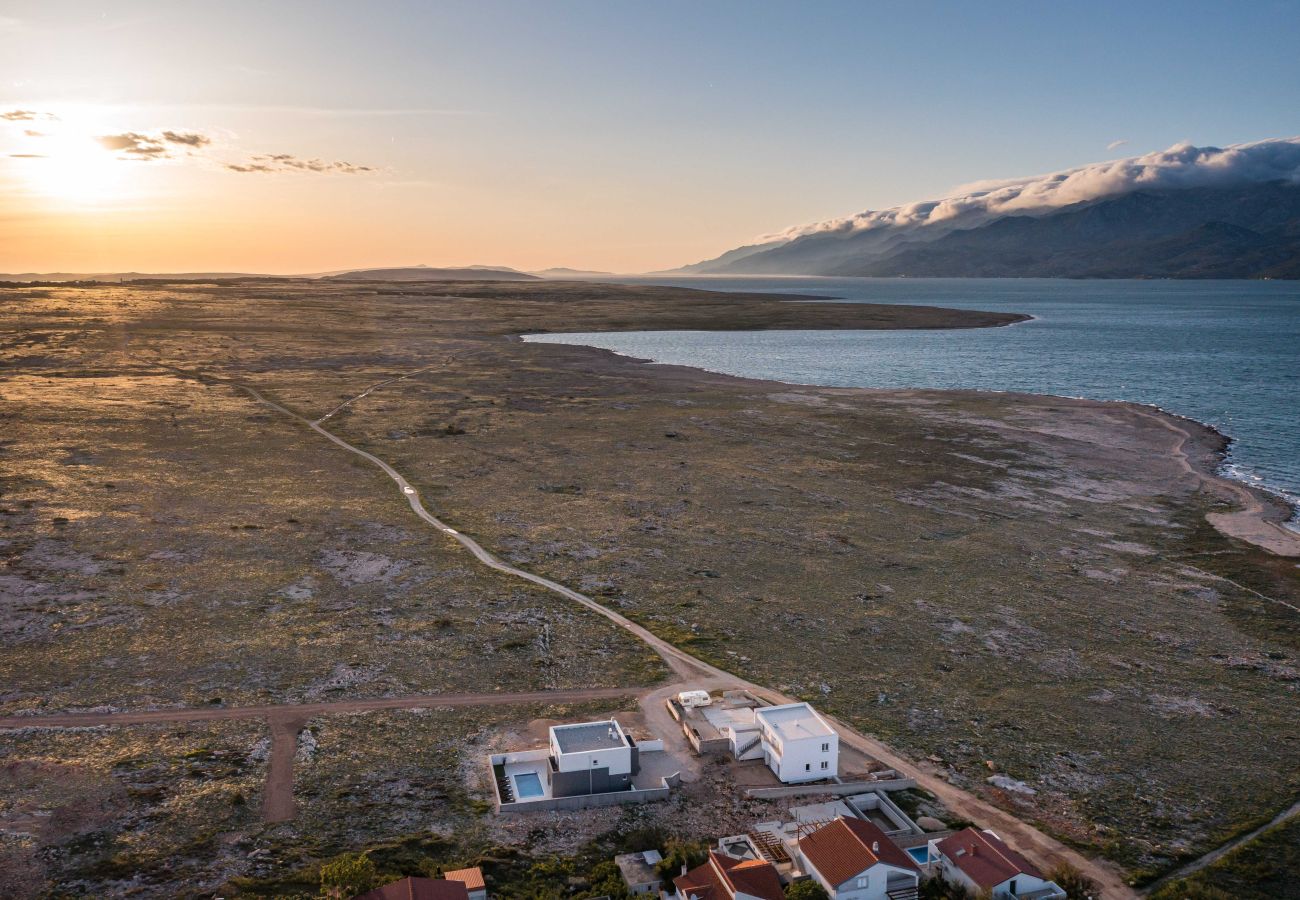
{"x":534,"y":763}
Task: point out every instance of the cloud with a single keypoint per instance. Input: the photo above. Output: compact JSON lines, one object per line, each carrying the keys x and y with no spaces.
{"x":27,"y":115}
{"x":27,"y":156}
{"x":1114,"y":145}
{"x":187,"y":138}
{"x":31,"y":132}
{"x":287,"y":162}
{"x":135,"y":145}
{"x":1182,"y":165}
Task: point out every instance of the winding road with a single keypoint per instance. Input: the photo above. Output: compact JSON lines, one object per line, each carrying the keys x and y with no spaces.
{"x":287,"y":720}
{"x":696,"y":674}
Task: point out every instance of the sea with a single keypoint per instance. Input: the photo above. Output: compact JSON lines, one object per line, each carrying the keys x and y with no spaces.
{"x":1226,"y":353}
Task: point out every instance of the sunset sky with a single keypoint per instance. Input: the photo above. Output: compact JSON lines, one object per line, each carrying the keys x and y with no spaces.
{"x":301,"y":137}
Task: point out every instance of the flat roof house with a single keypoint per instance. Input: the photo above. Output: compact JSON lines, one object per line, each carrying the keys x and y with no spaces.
{"x":798,"y":744}
{"x":855,"y":860}
{"x":591,"y":758}
{"x":638,"y":871}
{"x":724,"y":878}
{"x":979,"y":861}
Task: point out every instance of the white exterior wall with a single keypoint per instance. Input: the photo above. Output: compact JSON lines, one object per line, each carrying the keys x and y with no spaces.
{"x":954,"y":875}
{"x":801,"y":760}
{"x":617,"y":759}
{"x":877,"y":881}
{"x":1025,"y":884}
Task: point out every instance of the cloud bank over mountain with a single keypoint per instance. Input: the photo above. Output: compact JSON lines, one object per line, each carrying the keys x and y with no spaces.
{"x":1204,"y":212}
{"x":1182,"y":165}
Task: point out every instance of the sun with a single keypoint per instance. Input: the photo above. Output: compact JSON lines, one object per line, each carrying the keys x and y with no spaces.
{"x":67,"y":162}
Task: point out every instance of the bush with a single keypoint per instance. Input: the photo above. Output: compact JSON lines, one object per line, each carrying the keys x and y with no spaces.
{"x":938,"y":889}
{"x":1076,"y":885}
{"x":681,"y":853}
{"x":347,"y":875}
{"x":805,"y":890}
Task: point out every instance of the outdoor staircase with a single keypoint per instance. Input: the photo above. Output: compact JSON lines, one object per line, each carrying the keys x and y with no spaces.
{"x":741,"y":751}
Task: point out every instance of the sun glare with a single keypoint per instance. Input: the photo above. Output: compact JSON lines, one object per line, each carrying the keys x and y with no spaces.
{"x":67,"y":162}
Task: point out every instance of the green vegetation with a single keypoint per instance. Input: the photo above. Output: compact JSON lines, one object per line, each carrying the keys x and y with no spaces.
{"x":1076,"y":885}
{"x":807,"y":889}
{"x":676,"y":854}
{"x":939,"y":889}
{"x":348,"y":875}
{"x":1267,"y":868}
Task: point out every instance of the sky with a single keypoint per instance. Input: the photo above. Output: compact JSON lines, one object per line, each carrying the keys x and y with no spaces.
{"x":293,"y":138}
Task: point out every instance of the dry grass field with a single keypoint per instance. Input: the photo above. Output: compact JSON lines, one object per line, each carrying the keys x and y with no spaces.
{"x":1006,"y":587}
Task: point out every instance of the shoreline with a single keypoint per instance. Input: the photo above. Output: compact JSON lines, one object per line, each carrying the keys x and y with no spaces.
{"x":1262,"y":519}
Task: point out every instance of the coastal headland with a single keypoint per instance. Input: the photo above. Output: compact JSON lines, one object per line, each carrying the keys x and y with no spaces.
{"x":1052,"y":605}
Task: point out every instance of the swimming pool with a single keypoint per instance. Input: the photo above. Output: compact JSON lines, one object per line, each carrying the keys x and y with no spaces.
{"x":528,"y":785}
{"x":920,"y":854}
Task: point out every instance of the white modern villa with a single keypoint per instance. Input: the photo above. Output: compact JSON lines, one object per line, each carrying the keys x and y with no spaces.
{"x":798,"y":744}
{"x":583,"y":764}
{"x":793,"y":739}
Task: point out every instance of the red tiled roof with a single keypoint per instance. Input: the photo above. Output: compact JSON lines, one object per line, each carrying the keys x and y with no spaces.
{"x":847,"y":847}
{"x":472,"y":878}
{"x":984,"y":859}
{"x":418,"y":889}
{"x":722,"y":877}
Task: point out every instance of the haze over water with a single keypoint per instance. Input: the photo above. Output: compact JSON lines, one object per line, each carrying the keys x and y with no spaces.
{"x":1226,"y":353}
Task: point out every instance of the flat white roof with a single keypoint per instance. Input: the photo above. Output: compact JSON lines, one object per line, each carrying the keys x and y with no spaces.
{"x":585,"y":737}
{"x":794,"y":721}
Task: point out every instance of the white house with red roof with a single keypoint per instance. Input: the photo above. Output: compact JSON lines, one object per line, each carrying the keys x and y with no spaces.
{"x":854,"y":860}
{"x":722,"y":877}
{"x":979,"y":861}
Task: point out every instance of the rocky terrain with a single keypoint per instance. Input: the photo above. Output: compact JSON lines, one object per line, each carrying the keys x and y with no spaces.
{"x":1022,"y":591}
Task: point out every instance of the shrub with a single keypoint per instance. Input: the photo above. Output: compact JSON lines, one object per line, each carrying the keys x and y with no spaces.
{"x":1076,"y":885}
{"x":347,"y":875}
{"x":807,"y":889}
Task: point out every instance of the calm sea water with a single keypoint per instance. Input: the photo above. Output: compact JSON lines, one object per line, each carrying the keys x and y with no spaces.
{"x":1224,"y":353}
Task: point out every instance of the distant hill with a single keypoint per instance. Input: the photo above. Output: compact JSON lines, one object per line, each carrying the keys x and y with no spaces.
{"x":126,"y":276}
{"x":1187,"y":212}
{"x":562,"y":272}
{"x":427,"y":273}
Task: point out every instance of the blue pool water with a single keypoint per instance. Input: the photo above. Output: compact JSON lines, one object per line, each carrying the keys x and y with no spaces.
{"x":528,"y":785}
{"x":1226,"y":353}
{"x":920,"y":854}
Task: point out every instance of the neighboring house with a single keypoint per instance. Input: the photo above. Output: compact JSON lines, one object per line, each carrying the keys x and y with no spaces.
{"x":591,"y":758}
{"x":472,"y":878}
{"x":638,"y":871}
{"x":724,"y":878}
{"x":418,"y":889}
{"x":854,"y":860}
{"x":798,"y":744}
{"x":978,"y":860}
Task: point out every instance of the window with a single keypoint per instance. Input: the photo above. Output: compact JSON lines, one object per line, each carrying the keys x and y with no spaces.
{"x":807,"y":767}
{"x":826,"y":748}
{"x":825,"y":764}
{"x":862,"y":882}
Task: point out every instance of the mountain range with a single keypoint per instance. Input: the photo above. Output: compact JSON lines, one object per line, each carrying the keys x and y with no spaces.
{"x":1187,"y":212}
